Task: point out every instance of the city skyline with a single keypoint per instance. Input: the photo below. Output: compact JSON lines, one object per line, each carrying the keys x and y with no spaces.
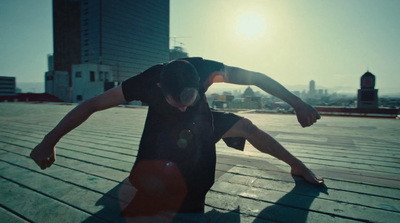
{"x":333,"y":43}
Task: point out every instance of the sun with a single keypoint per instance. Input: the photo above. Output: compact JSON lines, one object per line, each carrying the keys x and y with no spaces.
{"x":250,"y":25}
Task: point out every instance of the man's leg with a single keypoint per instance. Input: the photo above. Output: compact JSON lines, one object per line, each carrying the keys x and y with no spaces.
{"x":266,"y":144}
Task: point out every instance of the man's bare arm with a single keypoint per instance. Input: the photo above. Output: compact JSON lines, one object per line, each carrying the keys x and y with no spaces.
{"x":241,"y":76}
{"x":44,"y":153}
{"x":306,"y":114}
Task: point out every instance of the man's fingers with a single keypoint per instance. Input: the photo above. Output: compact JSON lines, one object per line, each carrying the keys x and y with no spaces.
{"x":311,"y":178}
{"x":307,"y":123}
{"x":310,"y":120}
{"x":318,"y":181}
{"x":44,"y":163}
{"x":41,"y":164}
{"x":50,"y":161}
{"x":43,"y":155}
{"x":307,"y":175}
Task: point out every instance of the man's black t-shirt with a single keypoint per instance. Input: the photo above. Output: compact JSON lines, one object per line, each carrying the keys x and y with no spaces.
{"x":176,"y":158}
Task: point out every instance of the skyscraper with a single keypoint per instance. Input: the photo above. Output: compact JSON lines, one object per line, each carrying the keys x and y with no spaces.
{"x":127,"y":35}
{"x":312,"y":92}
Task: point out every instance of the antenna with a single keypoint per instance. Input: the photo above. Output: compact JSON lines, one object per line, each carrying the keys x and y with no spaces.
{"x":178,"y":37}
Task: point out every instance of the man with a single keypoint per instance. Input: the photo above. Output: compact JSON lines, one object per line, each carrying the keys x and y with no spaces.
{"x":175,"y":165}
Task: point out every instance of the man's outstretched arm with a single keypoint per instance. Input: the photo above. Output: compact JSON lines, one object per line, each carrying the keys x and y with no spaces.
{"x":306,"y":114}
{"x":44,"y":154}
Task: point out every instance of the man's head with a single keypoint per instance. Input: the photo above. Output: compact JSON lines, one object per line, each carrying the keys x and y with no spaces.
{"x":179,"y":82}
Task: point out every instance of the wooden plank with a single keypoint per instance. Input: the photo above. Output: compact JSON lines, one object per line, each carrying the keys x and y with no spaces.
{"x":126,"y":154}
{"x":85,"y":156}
{"x":266,"y":211}
{"x":105,"y":138}
{"x":69,"y":175}
{"x":37,"y":207}
{"x":320,"y":168}
{"x":70,"y":195}
{"x":306,"y":197}
{"x":71,"y":163}
{"x":127,"y":144}
{"x":8,"y":216}
{"x":360,"y":187}
{"x":124,"y":121}
{"x":351,"y":193}
{"x":344,"y":151}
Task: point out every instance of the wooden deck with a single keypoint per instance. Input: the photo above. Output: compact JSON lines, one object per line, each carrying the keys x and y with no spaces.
{"x":358,"y":157}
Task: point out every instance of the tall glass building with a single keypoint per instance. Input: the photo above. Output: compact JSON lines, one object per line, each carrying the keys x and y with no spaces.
{"x":128,"y":35}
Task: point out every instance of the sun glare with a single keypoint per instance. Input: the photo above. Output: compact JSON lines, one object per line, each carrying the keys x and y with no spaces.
{"x":250,"y":25}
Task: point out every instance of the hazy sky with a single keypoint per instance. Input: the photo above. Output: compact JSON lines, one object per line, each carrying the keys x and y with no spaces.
{"x":294,"y":41}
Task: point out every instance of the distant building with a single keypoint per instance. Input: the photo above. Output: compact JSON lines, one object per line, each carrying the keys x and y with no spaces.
{"x":367,"y":94}
{"x":50,"y":62}
{"x":177,"y":53}
{"x":248,"y":93}
{"x":244,"y":103}
{"x":57,"y":84}
{"x":312,"y":92}
{"x":221,"y":101}
{"x":90,"y":80}
{"x":129,"y":36}
{"x":248,"y":100}
{"x":7,"y":86}
{"x":8,"y":93}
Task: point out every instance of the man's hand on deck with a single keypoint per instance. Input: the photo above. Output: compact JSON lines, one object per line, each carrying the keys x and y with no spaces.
{"x":299,"y":169}
{"x":44,"y":154}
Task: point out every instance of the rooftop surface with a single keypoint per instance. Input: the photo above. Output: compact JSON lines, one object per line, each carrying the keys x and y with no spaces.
{"x":359,"y":159}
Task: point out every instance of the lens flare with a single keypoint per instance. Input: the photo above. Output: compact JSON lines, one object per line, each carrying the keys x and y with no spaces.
{"x":185,"y":136}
